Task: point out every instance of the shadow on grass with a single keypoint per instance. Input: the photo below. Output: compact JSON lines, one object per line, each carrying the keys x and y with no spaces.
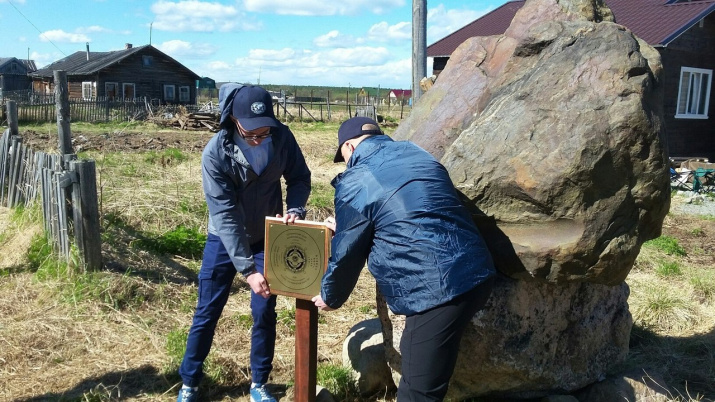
{"x":146,"y":381}
{"x":685,"y":364}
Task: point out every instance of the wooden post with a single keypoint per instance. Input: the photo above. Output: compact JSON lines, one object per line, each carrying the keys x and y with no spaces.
{"x":419,"y":47}
{"x":86,"y":213}
{"x":306,"y":350}
{"x":12,"y":117}
{"x":62,"y":103}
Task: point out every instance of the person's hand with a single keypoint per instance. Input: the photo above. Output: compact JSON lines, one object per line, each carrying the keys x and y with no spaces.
{"x":319,"y":303}
{"x":289,"y":218}
{"x":330,"y":223}
{"x":259,"y":285}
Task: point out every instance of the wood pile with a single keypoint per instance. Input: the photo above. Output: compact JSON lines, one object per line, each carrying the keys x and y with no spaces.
{"x":184,"y":120}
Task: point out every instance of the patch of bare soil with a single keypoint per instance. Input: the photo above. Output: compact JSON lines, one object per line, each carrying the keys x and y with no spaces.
{"x":123,"y":141}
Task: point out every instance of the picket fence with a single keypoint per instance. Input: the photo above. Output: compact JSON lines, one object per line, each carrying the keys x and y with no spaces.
{"x":65,"y":187}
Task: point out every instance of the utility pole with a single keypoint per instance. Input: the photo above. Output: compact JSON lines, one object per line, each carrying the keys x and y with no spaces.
{"x":419,"y":46}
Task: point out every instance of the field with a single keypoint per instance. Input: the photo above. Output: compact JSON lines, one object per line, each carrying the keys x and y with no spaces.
{"x":119,"y":334}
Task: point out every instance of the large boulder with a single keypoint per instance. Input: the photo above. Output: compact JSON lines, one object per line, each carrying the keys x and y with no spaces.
{"x":556,"y":130}
{"x":533,"y":339}
{"x":553,"y":133}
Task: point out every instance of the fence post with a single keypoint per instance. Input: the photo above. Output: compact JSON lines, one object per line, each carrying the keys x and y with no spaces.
{"x":12,"y":117}
{"x":62,"y":103}
{"x":86,"y":214}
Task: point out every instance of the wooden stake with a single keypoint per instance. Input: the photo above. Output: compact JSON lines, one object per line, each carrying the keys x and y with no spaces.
{"x":306,"y":350}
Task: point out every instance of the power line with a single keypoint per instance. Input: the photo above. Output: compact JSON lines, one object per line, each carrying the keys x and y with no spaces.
{"x":33,"y":25}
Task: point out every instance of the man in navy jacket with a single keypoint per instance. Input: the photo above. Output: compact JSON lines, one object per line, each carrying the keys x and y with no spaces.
{"x":397,"y":208}
{"x":241,"y":167}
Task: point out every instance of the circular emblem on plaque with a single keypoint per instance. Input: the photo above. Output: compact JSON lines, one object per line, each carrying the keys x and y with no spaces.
{"x":295,"y":259}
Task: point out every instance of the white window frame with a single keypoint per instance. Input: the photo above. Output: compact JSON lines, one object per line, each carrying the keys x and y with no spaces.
{"x":169,"y":90}
{"x":87,"y":90}
{"x":184,"y":94}
{"x":124,"y":90}
{"x":694,"y":93}
{"x":116,"y":89}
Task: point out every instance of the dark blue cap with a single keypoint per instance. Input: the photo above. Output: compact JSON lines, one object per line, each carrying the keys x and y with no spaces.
{"x":354,"y":127}
{"x":253,"y":107}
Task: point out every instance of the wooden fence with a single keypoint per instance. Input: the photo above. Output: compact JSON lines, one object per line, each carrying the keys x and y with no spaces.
{"x":39,"y":108}
{"x":66,"y":187}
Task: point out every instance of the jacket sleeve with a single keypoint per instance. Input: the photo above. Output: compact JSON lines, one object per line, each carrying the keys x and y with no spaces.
{"x":350,"y":248}
{"x":297,"y":176}
{"x":222,"y":201}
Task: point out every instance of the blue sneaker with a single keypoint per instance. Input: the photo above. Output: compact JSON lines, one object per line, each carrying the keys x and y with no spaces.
{"x":260,"y":393}
{"x":188,"y":395}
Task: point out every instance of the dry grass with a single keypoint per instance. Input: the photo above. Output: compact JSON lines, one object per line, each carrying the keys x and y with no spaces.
{"x":110,"y":336}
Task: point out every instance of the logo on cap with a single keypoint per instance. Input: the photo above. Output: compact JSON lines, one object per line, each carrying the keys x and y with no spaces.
{"x":258,"y":107}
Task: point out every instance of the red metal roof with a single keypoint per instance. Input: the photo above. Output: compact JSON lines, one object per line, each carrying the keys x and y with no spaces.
{"x":657,"y":22}
{"x":402,"y":93}
{"x":493,"y":23}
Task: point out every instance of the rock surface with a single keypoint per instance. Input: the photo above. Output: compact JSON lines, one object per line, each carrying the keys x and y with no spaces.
{"x":535,"y":339}
{"x":555,"y":127}
{"x":553,"y":133}
{"x":364,"y":354}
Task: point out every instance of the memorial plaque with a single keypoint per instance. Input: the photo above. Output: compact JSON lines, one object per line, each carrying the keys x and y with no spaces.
{"x":296,"y":256}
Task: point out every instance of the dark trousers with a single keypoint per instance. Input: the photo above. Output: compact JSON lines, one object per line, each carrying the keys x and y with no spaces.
{"x":215,"y":279}
{"x":430,"y":345}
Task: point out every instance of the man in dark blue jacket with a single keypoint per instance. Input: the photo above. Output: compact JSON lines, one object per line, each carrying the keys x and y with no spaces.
{"x":242,"y":166}
{"x":397,"y":208}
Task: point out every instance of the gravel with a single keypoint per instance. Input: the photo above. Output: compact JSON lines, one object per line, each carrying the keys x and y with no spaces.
{"x":691,"y":203}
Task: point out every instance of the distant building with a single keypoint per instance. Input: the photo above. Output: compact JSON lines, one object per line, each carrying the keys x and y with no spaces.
{"x":400,"y":97}
{"x":13,"y":74}
{"x":133,"y":72}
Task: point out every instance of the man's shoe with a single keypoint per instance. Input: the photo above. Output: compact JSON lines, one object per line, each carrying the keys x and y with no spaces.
{"x":188,"y":395}
{"x":260,"y":393}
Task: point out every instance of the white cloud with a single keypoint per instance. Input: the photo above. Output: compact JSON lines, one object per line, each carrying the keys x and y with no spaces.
{"x":442,"y":22}
{"x":199,"y":16}
{"x":14,"y":1}
{"x":60,"y":36}
{"x":44,"y":59}
{"x":182,"y":49}
{"x":321,"y":7}
{"x":383,"y":32}
{"x":334,"y":39}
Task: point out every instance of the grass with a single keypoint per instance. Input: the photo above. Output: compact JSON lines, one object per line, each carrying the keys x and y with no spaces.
{"x":68,"y":335}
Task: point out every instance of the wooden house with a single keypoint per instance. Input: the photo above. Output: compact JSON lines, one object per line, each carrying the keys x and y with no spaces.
{"x":683,"y":32}
{"x":400,"y":97}
{"x":133,"y":72}
{"x":14,"y":74}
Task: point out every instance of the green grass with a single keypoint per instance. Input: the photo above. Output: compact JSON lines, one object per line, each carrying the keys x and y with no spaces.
{"x":666,"y":268}
{"x":338,"y":380}
{"x":667,"y":244}
{"x":175,"y":347}
{"x":657,"y":307}
{"x":184,"y":241}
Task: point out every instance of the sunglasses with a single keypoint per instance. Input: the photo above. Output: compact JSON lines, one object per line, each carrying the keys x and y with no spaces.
{"x":246,"y":136}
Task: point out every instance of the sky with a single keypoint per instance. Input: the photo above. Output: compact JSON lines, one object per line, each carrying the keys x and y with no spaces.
{"x":355,"y":43}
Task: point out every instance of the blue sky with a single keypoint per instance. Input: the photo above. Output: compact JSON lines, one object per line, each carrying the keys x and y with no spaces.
{"x":301,"y":42}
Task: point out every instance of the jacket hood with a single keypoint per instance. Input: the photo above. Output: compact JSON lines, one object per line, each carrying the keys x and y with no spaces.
{"x":226,"y":95}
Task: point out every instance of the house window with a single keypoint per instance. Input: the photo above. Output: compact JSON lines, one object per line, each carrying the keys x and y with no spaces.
{"x":111,"y":90}
{"x":147,"y":61}
{"x":87,"y":90}
{"x":169,"y":94}
{"x":694,"y":93}
{"x":128,"y":91}
{"x":184,"y":94}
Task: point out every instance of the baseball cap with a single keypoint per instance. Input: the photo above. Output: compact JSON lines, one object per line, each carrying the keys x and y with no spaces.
{"x":253,"y":107}
{"x":351,"y":128}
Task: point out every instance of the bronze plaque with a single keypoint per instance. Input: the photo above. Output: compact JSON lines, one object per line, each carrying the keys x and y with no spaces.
{"x":296,"y":256}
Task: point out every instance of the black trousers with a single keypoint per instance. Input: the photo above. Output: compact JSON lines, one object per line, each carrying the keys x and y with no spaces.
{"x":430,"y":344}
